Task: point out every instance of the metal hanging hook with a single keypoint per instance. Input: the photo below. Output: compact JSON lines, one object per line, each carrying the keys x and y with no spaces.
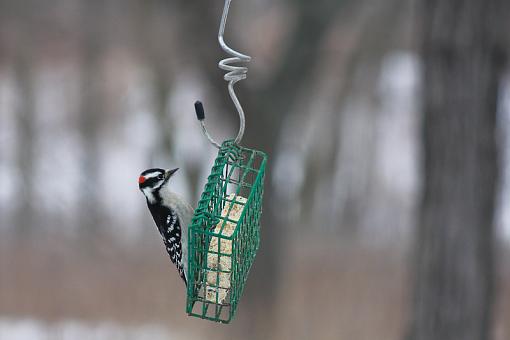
{"x":233,"y":75}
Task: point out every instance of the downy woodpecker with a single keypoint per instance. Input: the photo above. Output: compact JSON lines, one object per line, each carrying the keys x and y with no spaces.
{"x":171,"y":214}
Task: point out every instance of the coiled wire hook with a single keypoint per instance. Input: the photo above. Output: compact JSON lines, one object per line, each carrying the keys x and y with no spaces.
{"x":233,"y":75}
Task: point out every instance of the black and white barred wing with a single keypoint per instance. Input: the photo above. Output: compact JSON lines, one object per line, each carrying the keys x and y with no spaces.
{"x":170,"y":229}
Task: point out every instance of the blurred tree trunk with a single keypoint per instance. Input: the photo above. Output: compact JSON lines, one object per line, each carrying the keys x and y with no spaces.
{"x":463,"y":62}
{"x":200,"y":24}
{"x":23,"y":71}
{"x":23,"y":50}
{"x":155,"y":47}
{"x":375,"y":23}
{"x":91,"y":113}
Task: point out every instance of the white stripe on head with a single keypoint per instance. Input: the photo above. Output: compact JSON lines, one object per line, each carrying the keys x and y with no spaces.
{"x":152,"y":174}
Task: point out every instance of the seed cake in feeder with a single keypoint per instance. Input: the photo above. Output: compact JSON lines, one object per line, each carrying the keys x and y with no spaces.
{"x":218,"y":277}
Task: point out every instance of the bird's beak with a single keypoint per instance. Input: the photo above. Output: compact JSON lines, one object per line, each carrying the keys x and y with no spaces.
{"x":169,"y":173}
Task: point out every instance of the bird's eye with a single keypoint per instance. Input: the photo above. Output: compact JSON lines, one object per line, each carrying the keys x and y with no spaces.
{"x":161,"y":176}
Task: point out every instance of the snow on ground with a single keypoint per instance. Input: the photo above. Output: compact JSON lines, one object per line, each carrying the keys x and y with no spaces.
{"x":30,"y":329}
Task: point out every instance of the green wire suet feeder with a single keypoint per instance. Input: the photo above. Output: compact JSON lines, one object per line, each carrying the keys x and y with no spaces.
{"x":224,"y":233}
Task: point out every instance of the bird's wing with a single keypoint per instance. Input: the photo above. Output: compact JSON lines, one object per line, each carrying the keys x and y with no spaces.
{"x":170,"y":228}
{"x":185,"y":216}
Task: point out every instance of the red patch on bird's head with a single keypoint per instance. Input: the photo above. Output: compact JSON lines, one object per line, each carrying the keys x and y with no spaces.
{"x":141,"y":179}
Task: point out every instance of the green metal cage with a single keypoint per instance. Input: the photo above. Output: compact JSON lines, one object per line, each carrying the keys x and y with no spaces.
{"x":224,"y":234}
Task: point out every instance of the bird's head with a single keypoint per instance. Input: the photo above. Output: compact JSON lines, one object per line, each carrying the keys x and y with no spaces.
{"x":151,"y":181}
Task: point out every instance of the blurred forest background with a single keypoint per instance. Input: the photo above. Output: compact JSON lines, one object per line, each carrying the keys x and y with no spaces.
{"x":93,"y":92}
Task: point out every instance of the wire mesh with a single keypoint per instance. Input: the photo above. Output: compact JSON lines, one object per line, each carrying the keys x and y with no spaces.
{"x":224,"y":234}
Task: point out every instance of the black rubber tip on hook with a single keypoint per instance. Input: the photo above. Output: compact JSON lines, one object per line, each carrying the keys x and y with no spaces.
{"x":199,"y":110}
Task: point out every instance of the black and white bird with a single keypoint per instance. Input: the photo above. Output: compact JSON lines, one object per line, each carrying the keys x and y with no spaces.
{"x":170,"y":212}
